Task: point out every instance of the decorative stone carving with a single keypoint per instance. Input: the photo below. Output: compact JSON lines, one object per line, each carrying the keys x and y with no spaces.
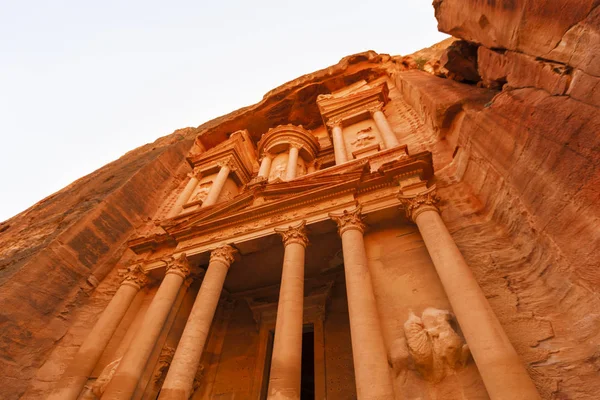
{"x":135,"y":277}
{"x":228,"y":162}
{"x":349,"y":220}
{"x":425,"y":201}
{"x":99,"y":386}
{"x":224,"y":254}
{"x":202,"y":192}
{"x":363,"y":137}
{"x":433,"y":343}
{"x":278,"y":167}
{"x":178,"y":265}
{"x":373,"y":108}
{"x":164,"y":361}
{"x":332,"y":123}
{"x":294,"y":234}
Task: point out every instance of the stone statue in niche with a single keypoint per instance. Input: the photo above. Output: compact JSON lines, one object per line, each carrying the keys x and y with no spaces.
{"x":96,"y":390}
{"x":201,"y":193}
{"x":278,"y":170}
{"x":433,"y":343}
{"x":363,"y":137}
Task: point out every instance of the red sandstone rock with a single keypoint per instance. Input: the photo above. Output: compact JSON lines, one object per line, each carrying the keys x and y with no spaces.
{"x":518,"y":170}
{"x":460,"y":58}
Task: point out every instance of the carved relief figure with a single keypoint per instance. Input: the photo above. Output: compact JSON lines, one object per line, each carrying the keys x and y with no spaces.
{"x":278,"y":167}
{"x":363,"y":137}
{"x":97,"y":388}
{"x":164,"y":361}
{"x":201,"y":193}
{"x":433,"y":343}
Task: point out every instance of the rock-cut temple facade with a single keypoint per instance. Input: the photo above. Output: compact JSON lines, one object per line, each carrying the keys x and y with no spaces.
{"x":420,"y":227}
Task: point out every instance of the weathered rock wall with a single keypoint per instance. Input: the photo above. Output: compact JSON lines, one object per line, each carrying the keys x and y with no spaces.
{"x":518,"y":170}
{"x":53,"y":254}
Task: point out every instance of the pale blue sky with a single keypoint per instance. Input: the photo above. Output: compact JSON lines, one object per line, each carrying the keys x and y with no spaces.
{"x":83,"y":82}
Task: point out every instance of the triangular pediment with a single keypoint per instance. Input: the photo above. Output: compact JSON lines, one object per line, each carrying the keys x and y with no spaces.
{"x":265,"y":198}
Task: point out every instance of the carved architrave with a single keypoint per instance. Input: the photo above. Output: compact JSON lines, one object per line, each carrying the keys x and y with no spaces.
{"x":135,"y":277}
{"x":178,"y":265}
{"x":294,"y":234}
{"x":348,"y":220}
{"x":416,"y":204}
{"x":224,"y":254}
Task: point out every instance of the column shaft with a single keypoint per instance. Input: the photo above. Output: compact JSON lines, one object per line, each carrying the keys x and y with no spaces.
{"x":371,"y":370}
{"x":265,"y":166}
{"x":131,"y":367}
{"x":82,"y":366}
{"x":339,"y":147}
{"x":286,"y":363}
{"x":184,"y":196}
{"x":179,"y":382}
{"x":389,"y":137}
{"x":502,"y":372}
{"x":217,"y":186}
{"x":292,"y":164}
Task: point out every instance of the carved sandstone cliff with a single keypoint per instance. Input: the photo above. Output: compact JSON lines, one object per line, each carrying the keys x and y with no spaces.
{"x":516,"y":155}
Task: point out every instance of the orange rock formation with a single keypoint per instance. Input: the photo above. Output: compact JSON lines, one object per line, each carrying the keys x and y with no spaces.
{"x":315,"y":214}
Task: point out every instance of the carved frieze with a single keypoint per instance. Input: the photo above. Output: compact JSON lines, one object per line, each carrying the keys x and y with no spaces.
{"x":294,"y":234}
{"x":178,"y":265}
{"x":416,"y":204}
{"x":348,"y":220}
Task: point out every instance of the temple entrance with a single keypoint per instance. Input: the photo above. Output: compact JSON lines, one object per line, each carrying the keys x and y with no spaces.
{"x":307,"y":383}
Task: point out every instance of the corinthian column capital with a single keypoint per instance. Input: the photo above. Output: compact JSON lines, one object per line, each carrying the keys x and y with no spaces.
{"x":135,"y":277}
{"x":373,"y":108}
{"x":228,"y":162}
{"x":223,"y":254}
{"x":294,"y":234}
{"x":178,"y":265}
{"x":348,"y":220}
{"x":334,"y":122}
{"x":416,"y":204}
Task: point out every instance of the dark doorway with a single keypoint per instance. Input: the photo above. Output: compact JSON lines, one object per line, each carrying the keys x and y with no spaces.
{"x":307,"y":384}
{"x":267,"y":370}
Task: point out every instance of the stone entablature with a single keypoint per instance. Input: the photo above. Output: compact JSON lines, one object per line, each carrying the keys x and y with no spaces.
{"x":257,"y":211}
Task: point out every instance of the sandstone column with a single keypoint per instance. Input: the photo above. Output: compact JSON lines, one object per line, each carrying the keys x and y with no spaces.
{"x":389,"y":137}
{"x":502,"y":372}
{"x":80,"y":368}
{"x":131,"y":367}
{"x":292,"y":164}
{"x":179,"y":382}
{"x":184,"y":196}
{"x":339,"y":146}
{"x":218,"y":183}
{"x":286,"y":363}
{"x":371,"y":370}
{"x":265,"y":165}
